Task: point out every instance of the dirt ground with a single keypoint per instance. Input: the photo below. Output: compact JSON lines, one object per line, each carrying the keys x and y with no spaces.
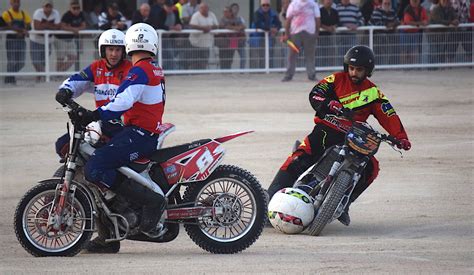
{"x":416,"y":218}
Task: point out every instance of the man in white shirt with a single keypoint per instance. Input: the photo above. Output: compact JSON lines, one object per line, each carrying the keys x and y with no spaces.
{"x":205,"y":21}
{"x":302,"y":26}
{"x":45,"y":18}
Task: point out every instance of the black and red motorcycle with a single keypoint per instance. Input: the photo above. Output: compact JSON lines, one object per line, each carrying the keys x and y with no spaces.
{"x":222,"y":207}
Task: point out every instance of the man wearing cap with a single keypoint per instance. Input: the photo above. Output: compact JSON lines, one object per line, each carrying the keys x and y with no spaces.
{"x":19,"y":21}
{"x":45,"y":18}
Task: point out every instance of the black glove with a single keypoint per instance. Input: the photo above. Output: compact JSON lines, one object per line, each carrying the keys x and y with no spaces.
{"x":84,"y":116}
{"x":63,"y":96}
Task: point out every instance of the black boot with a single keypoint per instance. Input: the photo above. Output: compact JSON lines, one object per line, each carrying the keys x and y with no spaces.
{"x":345,"y":219}
{"x":153,"y":203}
{"x":98,"y":245}
{"x":282,"y":179}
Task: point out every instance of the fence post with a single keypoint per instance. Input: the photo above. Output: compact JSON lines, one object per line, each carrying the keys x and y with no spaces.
{"x":371,"y":38}
{"x":47,"y":69}
{"x":267,"y":53}
{"x":160,"y":49}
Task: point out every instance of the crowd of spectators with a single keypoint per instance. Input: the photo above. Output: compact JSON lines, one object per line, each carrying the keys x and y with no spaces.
{"x":177,"y":15}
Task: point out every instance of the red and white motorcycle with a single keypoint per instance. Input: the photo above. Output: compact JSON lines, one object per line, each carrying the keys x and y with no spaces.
{"x":222,"y":207}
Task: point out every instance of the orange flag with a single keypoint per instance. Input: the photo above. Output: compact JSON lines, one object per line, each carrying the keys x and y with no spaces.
{"x":292,"y":46}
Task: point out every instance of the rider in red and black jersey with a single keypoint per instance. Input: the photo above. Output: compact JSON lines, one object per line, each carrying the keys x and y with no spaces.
{"x":349,"y":89}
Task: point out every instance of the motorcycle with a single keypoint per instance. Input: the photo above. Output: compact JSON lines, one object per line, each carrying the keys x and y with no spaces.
{"x":332,"y":179}
{"x":222,"y":207}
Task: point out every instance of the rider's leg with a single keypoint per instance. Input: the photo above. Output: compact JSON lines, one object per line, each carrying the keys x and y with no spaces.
{"x":124,"y":147}
{"x":369,"y":175}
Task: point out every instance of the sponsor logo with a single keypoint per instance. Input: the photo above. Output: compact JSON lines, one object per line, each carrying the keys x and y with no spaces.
{"x":108,"y":92}
{"x":109,"y":74}
{"x":330,"y":79}
{"x":170,"y":169}
{"x":336,"y":122}
{"x":388,"y":109}
{"x":140,"y":39}
{"x":98,"y":72}
{"x":114,"y":41}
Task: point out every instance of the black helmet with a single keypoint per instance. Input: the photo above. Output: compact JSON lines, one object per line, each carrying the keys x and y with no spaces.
{"x":360,"y":56}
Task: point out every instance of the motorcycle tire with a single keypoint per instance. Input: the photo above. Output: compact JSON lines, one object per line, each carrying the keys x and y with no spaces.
{"x":59,"y":173}
{"x":330,"y":204}
{"x":32,"y":232}
{"x":242,"y":199}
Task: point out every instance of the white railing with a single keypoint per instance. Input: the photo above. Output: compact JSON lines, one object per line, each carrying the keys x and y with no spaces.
{"x":437,"y":46}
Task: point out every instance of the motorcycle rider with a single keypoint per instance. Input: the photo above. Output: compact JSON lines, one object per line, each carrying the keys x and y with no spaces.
{"x":140,"y":99}
{"x":349,"y":89}
{"x":102,"y":78}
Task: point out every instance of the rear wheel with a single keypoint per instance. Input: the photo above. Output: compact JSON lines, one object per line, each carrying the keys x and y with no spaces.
{"x":35,"y":225}
{"x":241,"y":222}
{"x":330,"y":204}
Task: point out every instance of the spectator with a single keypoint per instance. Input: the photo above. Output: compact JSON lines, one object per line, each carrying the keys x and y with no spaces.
{"x":401,"y":6}
{"x":179,"y":6}
{"x":414,"y":15}
{"x":188,"y":11}
{"x":463,"y":34}
{"x":168,"y":20}
{"x":45,"y":18}
{"x":442,"y":40}
{"x":386,"y":41}
{"x":266,"y":19}
{"x":92,"y":17}
{"x":302,"y":26}
{"x":142,"y":15}
{"x":329,"y":22}
{"x":205,"y":21}
{"x":228,"y":43}
{"x":112,"y":19}
{"x":66,"y":47}
{"x":351,"y":18}
{"x":19,"y":21}
{"x":243,"y":38}
{"x":155,"y":12}
{"x":368,"y":8}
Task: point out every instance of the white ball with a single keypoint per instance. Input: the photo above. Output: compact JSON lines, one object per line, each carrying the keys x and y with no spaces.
{"x":290,"y":210}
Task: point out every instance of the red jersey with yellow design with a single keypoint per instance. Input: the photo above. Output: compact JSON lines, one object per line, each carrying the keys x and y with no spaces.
{"x":364,"y":99}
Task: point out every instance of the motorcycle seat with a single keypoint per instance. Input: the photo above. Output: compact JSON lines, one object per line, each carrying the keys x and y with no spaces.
{"x":165,"y":154}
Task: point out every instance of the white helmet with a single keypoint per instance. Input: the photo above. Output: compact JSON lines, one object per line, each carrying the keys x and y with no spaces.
{"x":141,"y":37}
{"x":112,"y":37}
{"x":290,"y":210}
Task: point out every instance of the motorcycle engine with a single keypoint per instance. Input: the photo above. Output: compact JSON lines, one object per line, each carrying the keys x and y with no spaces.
{"x":121,"y":206}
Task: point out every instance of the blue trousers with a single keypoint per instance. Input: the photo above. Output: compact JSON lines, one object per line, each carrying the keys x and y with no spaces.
{"x":128,"y":145}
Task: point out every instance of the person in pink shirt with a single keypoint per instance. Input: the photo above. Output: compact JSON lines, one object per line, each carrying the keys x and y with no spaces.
{"x":302,"y":27}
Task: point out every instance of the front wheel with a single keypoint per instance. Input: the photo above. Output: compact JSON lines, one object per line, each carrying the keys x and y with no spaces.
{"x":330,"y":204}
{"x":35,"y":223}
{"x":242,"y":200}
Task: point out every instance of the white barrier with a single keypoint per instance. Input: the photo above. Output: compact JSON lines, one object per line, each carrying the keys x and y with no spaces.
{"x":436,"y":46}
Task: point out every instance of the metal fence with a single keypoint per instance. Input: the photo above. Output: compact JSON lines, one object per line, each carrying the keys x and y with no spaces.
{"x":224,"y":51}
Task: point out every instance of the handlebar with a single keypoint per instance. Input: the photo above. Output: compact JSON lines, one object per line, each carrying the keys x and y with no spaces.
{"x":349,"y":115}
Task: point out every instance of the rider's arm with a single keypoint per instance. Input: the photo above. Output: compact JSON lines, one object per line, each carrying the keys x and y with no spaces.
{"x":384,"y":112}
{"x":129,"y":92}
{"x":321,"y":94}
{"x":80,"y":82}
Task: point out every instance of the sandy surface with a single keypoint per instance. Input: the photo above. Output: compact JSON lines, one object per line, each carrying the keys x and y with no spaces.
{"x":417,"y":216}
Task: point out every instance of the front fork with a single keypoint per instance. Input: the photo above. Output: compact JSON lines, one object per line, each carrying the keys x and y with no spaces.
{"x":65,"y":192}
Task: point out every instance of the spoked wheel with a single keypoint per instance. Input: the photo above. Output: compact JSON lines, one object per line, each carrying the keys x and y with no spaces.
{"x":240,"y":219}
{"x":38,"y":228}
